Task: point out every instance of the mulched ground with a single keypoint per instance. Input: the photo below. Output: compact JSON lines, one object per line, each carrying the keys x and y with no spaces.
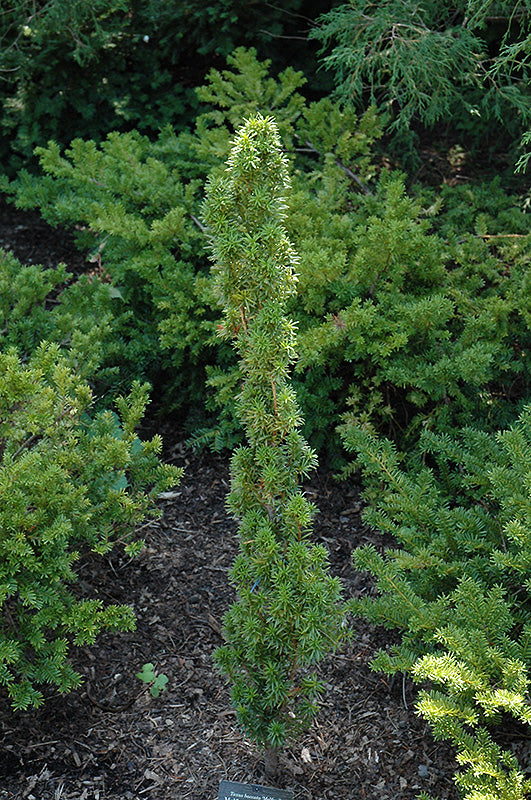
{"x":111,"y":740}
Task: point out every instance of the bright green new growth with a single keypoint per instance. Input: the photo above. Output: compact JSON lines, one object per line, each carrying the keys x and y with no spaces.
{"x":288,"y":614}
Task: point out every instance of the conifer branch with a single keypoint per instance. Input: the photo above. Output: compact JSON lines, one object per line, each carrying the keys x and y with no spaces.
{"x":310,"y":148}
{"x":198,"y":223}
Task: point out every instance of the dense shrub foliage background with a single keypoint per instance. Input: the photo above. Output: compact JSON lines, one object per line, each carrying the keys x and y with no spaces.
{"x":71,"y":68}
{"x":398,"y":291}
{"x":412,"y":310}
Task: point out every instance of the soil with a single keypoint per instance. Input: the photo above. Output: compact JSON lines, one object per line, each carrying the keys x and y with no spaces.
{"x":111,"y":740}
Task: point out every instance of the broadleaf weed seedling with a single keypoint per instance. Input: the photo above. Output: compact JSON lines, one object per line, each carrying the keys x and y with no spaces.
{"x":156,"y":680}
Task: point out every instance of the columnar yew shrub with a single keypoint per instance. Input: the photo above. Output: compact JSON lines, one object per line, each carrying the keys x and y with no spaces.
{"x":288,"y":614}
{"x":136,"y":204}
{"x":70,"y":482}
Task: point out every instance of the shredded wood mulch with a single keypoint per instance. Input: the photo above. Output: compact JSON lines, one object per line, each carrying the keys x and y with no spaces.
{"x":111,"y":740}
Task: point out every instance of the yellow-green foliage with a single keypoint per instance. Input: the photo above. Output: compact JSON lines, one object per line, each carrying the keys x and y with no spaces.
{"x":457,"y":587}
{"x":69,"y":481}
{"x":79,"y":318}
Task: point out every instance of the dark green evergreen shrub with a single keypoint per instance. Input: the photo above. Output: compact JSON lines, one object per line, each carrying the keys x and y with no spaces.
{"x":73,"y":68}
{"x":424,"y":329}
{"x":70,"y":482}
{"x":288,"y":614}
{"x":412,"y":312}
{"x":523,"y":161}
{"x":467,"y":62}
{"x":457,"y":585}
{"x":39,"y":304}
{"x":137,"y":203}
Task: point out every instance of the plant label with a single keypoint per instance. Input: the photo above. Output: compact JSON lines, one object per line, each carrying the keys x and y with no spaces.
{"x":229,"y":790}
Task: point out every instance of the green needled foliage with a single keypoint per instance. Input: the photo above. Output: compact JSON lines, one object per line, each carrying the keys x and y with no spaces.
{"x":432,"y":61}
{"x":412,"y":309}
{"x":457,"y":585}
{"x":288,"y":614}
{"x":70,"y":481}
{"x":38,"y":304}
